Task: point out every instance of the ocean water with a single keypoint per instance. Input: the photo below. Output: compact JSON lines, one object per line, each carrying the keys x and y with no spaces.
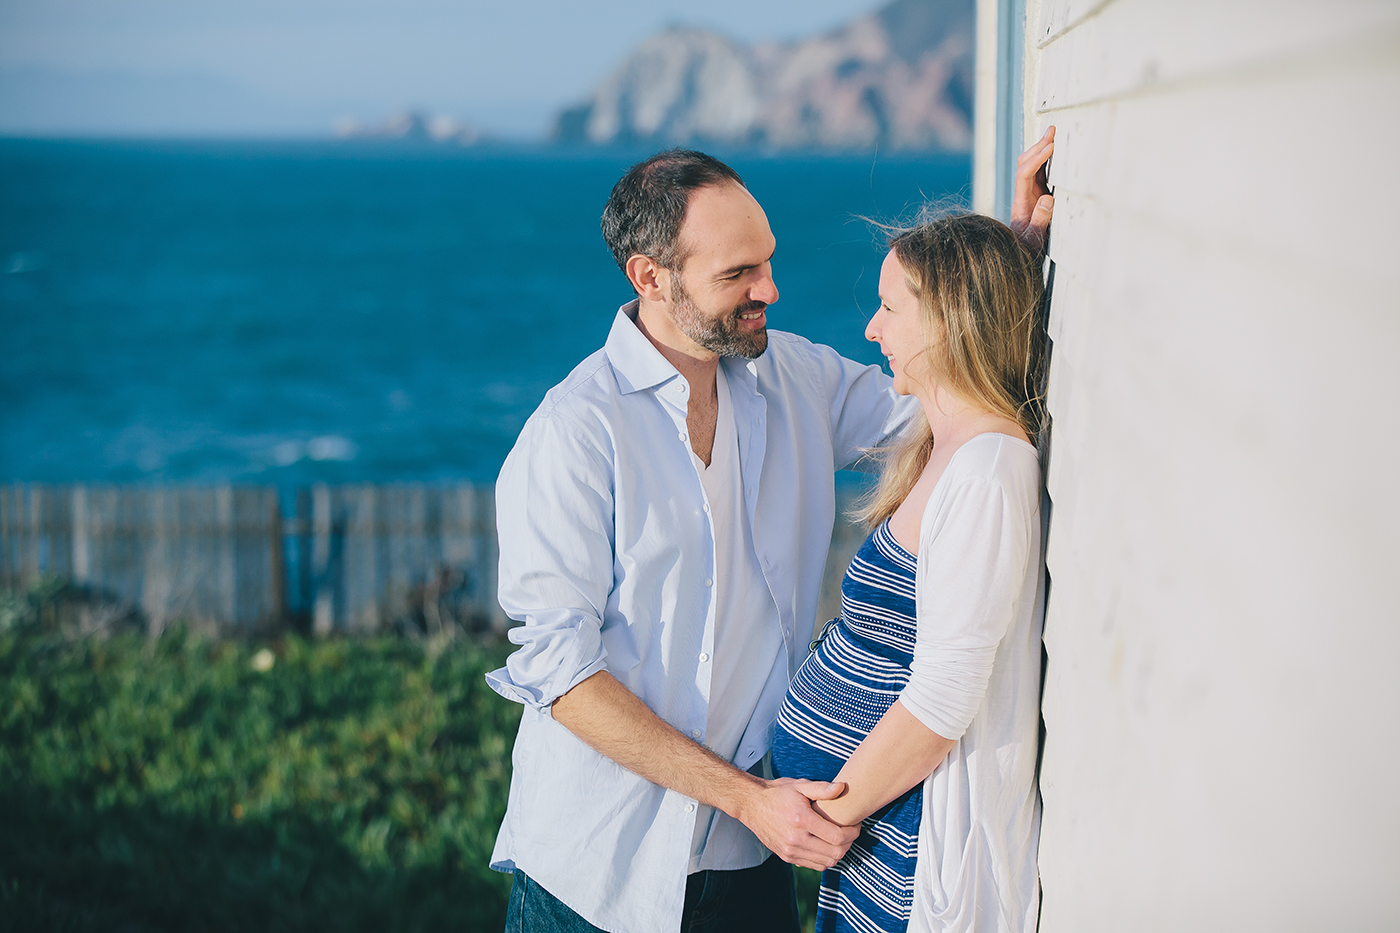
{"x":283,"y":313}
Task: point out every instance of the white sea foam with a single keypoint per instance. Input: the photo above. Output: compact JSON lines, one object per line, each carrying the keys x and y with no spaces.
{"x":332,"y":447}
{"x":288,"y":452}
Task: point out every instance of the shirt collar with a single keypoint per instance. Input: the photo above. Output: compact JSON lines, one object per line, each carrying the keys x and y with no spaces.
{"x":742,"y":372}
{"x":638,"y":364}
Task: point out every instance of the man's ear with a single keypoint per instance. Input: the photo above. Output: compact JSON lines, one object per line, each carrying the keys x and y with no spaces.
{"x":647,"y":277}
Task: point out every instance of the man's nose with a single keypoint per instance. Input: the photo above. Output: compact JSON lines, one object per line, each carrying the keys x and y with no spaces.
{"x":765,"y":289}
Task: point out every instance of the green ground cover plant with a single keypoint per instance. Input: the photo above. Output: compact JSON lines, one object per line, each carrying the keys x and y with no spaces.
{"x":185,"y":783}
{"x":191,"y":784}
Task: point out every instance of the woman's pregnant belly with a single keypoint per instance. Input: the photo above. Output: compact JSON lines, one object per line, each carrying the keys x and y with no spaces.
{"x":839,"y":693}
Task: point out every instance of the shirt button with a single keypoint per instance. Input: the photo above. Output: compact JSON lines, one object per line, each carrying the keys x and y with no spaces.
{"x":682,"y":437}
{"x":703,"y":658}
{"x":695,"y":733}
{"x":706,"y":506}
{"x":709,"y":582}
{"x":690,"y":808}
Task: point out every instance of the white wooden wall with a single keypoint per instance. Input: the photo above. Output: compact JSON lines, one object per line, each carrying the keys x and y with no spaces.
{"x":1222,"y":698}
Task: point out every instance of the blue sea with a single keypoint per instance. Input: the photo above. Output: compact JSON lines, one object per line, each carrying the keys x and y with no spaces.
{"x":282,"y":313}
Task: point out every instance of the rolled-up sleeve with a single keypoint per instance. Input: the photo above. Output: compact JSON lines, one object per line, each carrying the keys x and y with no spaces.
{"x":972,"y":563}
{"x":554,"y":516}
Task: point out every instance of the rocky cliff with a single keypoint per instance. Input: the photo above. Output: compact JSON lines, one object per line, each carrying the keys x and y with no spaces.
{"x":899,"y":78}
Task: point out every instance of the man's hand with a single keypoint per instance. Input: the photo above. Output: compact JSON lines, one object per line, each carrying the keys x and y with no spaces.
{"x":780,"y":814}
{"x":610,"y":718}
{"x":1032,"y":204}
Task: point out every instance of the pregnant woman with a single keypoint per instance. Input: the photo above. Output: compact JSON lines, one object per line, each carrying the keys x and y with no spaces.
{"x":923,"y":696}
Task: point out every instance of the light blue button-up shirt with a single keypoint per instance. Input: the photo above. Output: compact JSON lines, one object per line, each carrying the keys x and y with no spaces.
{"x":607,"y":551}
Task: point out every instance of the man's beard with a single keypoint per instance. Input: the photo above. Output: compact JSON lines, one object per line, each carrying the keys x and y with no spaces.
{"x":718,"y":335}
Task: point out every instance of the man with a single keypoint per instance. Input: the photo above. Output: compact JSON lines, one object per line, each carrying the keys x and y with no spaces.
{"x":664,"y":520}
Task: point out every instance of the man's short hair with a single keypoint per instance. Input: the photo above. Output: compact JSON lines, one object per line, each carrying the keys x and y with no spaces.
{"x":647,"y":206}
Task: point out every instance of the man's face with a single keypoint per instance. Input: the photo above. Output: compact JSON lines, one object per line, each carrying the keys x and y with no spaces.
{"x":720,"y":297}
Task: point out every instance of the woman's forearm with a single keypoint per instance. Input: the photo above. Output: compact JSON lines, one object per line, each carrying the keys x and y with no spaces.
{"x":897,"y":754}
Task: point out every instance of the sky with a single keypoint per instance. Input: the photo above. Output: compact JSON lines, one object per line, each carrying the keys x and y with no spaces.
{"x":298,"y":67}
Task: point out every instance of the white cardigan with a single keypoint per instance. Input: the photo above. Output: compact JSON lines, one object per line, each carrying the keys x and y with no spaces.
{"x":976,"y":678}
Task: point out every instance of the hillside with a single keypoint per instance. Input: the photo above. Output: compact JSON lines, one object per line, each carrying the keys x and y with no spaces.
{"x":899,"y":78}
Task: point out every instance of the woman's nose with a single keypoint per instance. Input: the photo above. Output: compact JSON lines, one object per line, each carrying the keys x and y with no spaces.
{"x":872,"y":330}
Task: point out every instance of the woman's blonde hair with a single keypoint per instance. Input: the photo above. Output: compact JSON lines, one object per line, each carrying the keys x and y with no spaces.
{"x":979,"y":295}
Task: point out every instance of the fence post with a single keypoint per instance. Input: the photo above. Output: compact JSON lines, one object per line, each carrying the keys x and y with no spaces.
{"x":278,"y":557}
{"x":488,"y":559}
{"x":301,"y":528}
{"x":223,"y":518}
{"x":30,"y":569}
{"x":82,"y":566}
{"x":156,"y":572}
{"x":323,"y":612}
{"x":7,"y":546}
{"x":364,"y":544}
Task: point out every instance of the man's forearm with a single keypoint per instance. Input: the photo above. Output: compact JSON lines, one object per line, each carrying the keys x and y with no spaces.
{"x":616,"y":723}
{"x":611,"y":719}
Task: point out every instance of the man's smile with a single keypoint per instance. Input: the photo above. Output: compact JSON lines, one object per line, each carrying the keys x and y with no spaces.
{"x":753,"y":315}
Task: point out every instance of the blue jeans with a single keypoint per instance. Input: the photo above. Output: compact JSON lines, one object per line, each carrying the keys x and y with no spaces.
{"x":750,"y":900}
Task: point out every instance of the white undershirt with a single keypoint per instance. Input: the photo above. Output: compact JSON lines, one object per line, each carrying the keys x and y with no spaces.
{"x":750,"y":667}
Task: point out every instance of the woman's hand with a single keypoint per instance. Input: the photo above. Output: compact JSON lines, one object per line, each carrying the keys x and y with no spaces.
{"x":1032,"y":204}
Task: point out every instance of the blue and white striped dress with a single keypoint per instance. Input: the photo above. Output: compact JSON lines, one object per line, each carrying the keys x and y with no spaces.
{"x":840,"y":692}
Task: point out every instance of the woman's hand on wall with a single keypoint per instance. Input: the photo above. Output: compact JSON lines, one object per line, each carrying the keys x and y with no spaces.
{"x":1032,"y":204}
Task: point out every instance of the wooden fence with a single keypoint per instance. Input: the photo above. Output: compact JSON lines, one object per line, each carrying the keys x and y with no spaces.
{"x":248,"y":559}
{"x":241,"y":559}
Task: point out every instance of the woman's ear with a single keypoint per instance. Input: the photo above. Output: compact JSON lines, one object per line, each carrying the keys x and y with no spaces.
{"x":646,"y":277}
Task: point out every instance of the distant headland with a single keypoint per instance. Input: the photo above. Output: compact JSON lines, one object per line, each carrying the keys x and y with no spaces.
{"x":898,"y":79}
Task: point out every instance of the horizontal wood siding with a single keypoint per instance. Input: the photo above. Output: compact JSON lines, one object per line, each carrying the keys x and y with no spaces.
{"x":1222,"y":699}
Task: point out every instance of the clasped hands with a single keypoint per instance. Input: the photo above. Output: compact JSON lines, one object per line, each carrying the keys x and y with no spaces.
{"x":780,"y":813}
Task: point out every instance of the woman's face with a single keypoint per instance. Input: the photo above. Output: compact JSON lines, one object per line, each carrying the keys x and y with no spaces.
{"x":899,"y":329}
